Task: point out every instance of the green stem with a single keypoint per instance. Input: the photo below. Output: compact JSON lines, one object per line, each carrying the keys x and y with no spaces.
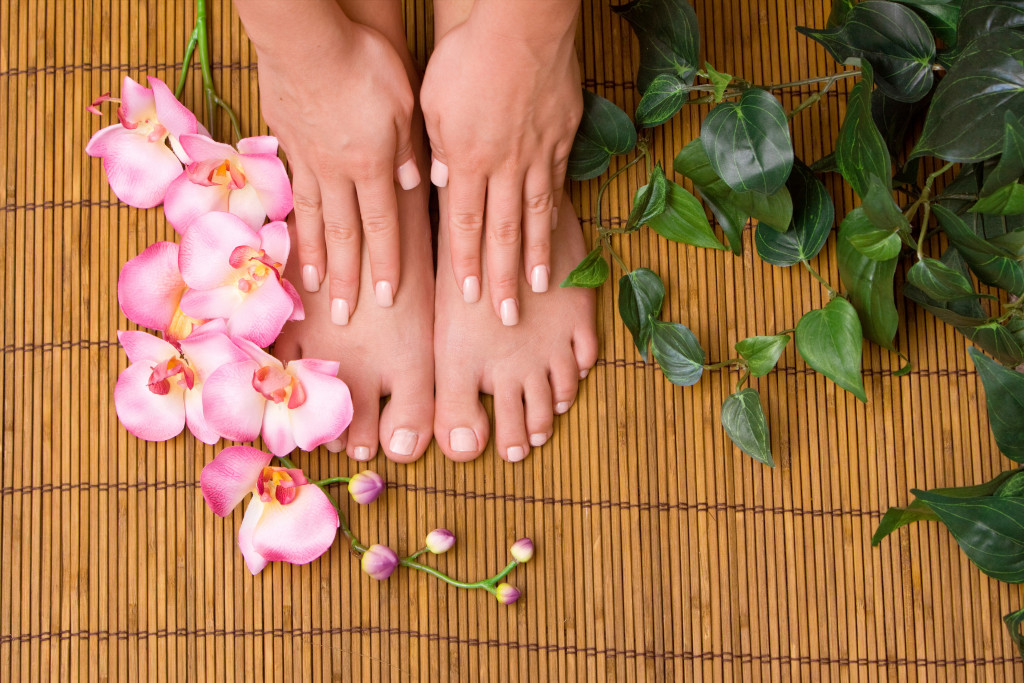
{"x":926,"y":214}
{"x":926,"y":192}
{"x":604,"y":186}
{"x":187,"y":62}
{"x":415,"y":554}
{"x":743,"y":380}
{"x":209,"y":89}
{"x":818,"y":95}
{"x":615,"y":255}
{"x":287,"y":463}
{"x":332,"y":480}
{"x":724,"y":363}
{"x":487,"y":584}
{"x":831,"y":292}
{"x":777,"y":86}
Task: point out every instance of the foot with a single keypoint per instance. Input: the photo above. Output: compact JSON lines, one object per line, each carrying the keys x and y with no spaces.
{"x":382,"y":351}
{"x":532,"y":369}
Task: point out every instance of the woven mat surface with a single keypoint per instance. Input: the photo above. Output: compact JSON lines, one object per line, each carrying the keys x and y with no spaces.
{"x":663,"y":552}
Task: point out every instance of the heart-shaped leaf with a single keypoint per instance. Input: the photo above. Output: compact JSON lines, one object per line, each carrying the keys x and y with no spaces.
{"x":993,"y":265}
{"x":762,"y":353}
{"x":981,"y":17}
{"x":997,"y":340}
{"x":939,"y":281}
{"x":939,"y":15}
{"x":1011,"y":163}
{"x":649,"y":200}
{"x":591,"y":272}
{"x":1004,"y":393}
{"x":669,"y":38}
{"x":719,"y":81}
{"x":1013,"y":622}
{"x":1006,"y":201}
{"x":829,"y":340}
{"x":869,"y":282}
{"x":861,"y":152}
{"x":605,"y":130}
{"x":641,"y":294}
{"x":748,"y":142}
{"x":678,"y":353}
{"x":684,"y":220}
{"x":813,"y":216}
{"x":662,"y":100}
{"x":882,"y":241}
{"x":746,"y":426}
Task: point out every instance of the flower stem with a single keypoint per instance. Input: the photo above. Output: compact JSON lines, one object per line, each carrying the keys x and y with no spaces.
{"x":187,"y":62}
{"x":615,"y":255}
{"x":287,"y":463}
{"x":487,"y":584}
{"x":926,"y":192}
{"x":608,"y":180}
{"x":776,"y":86}
{"x":723,"y":364}
{"x":332,"y":480}
{"x":202,"y":39}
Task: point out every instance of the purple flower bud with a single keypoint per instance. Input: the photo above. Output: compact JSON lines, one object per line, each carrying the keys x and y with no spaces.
{"x":506,"y":593}
{"x":439,"y":541}
{"x":522,"y":550}
{"x":379,"y":561}
{"x":365,"y":486}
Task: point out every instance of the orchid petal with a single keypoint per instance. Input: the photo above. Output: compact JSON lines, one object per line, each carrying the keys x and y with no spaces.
{"x":262,"y":313}
{"x":253,"y":560}
{"x":142,"y":346}
{"x":299,"y":312}
{"x":266,"y":173}
{"x":186,"y":201}
{"x":257,"y":354}
{"x":195,"y":418}
{"x":298,"y":532}
{"x":172,"y":114}
{"x":203,"y":148}
{"x":209,"y":347}
{"x":149,"y":416}
{"x":137,"y":100}
{"x":324,"y":367}
{"x":207,"y":246}
{"x":277,"y":429}
{"x":211,"y":303}
{"x":150,"y":286}
{"x":139,"y":171}
{"x":231,"y":475}
{"x":327,"y":411}
{"x":245,"y":203}
{"x":230,"y":405}
{"x":258,"y":144}
{"x":275,"y":241}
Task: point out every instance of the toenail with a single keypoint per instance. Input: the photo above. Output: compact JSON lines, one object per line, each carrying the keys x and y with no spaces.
{"x":360,"y":453}
{"x":471,"y":289}
{"x":403,"y":442}
{"x":333,"y":446}
{"x":339,"y":312}
{"x":310,"y":278}
{"x":385,"y":294}
{"x":408,"y":175}
{"x":539,"y":279}
{"x":584,"y":373}
{"x":438,"y":173}
{"x":515,"y":453}
{"x":538,"y":439}
{"x":509,"y":312}
{"x":563,"y":407}
{"x":463,"y":440}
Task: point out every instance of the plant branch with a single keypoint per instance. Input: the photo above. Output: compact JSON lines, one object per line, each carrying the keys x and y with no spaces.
{"x":824,"y":283}
{"x":776,"y":86}
{"x":609,"y":179}
{"x":926,"y":191}
{"x":187,"y":62}
{"x":210,"y":91}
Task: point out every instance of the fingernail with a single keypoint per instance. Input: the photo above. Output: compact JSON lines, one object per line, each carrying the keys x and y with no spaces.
{"x":339,"y":312}
{"x":463,"y":440}
{"x":515,"y":453}
{"x":563,"y":407}
{"x":509,"y":312}
{"x":360,"y":453}
{"x":403,"y":442}
{"x":438,"y":173}
{"x":471,"y":289}
{"x":385,"y":295}
{"x":310,"y":278}
{"x":584,"y":373}
{"x":408,"y":175}
{"x":554,"y":218}
{"x":539,"y":279}
{"x":334,"y":446}
{"x":538,"y":439}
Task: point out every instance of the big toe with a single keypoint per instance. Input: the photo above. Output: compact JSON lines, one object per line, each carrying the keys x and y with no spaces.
{"x":460,"y":422}
{"x":405,"y":422}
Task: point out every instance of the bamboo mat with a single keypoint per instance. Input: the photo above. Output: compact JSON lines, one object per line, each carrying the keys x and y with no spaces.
{"x":663,"y":552}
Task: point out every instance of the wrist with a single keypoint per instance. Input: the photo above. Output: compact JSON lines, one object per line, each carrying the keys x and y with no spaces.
{"x":545,"y":25}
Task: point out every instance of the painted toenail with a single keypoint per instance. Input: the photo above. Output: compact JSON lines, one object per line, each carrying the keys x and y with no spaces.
{"x":339,"y":312}
{"x":333,"y":446}
{"x":310,"y":278}
{"x":385,"y":294}
{"x":471,"y":289}
{"x":538,"y":439}
{"x":539,"y":279}
{"x":403,"y":442}
{"x":584,"y":373}
{"x":408,"y":175}
{"x":360,"y":453}
{"x":463,"y":440}
{"x":509,"y":312}
{"x":438,"y":173}
{"x":515,"y":453}
{"x":563,"y":407}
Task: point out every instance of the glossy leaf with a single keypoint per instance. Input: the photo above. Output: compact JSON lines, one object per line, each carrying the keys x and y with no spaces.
{"x":868,"y":282}
{"x":662,"y":100}
{"x":992,"y":265}
{"x":892,"y":38}
{"x":678,"y":353}
{"x":957,"y":198}
{"x":813,"y":216}
{"x":1004,"y":394}
{"x":1011,"y":162}
{"x":939,"y":281}
{"x":720,"y":81}
{"x":669,"y":38}
{"x":1012,"y":242}
{"x":997,"y":340}
{"x":981,"y":17}
{"x":881,"y":241}
{"x":839,"y":12}
{"x":591,"y":272}
{"x":762,"y":353}
{"x":605,"y":130}
{"x":641,"y":294}
{"x":829,"y":341}
{"x":1013,"y":622}
{"x":684,"y":220}
{"x":746,"y":426}
{"x":649,"y":200}
{"x":748,"y":143}
{"x":1006,"y":201}
{"x":895,"y":120}
{"x":939,"y":15}
{"x":861,"y":152}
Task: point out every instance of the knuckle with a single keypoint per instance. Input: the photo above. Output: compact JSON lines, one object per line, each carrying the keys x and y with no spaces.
{"x":370,"y":167}
{"x":504,"y":232}
{"x":304,"y":204}
{"x":340,"y":234}
{"x":504,"y":283}
{"x":467,"y":222}
{"x":342,"y":284}
{"x":539,"y":203}
{"x":377,"y":224}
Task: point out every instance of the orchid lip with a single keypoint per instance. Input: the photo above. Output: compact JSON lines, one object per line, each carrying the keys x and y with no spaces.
{"x":278,"y":386}
{"x":276,"y":484}
{"x":160,"y":379}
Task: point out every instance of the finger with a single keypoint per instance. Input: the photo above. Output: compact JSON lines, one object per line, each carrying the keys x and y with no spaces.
{"x":537,"y":211}
{"x":465,"y":212}
{"x":342,"y":230}
{"x":309,"y":228}
{"x":504,"y":234}
{"x":559,"y":167}
{"x":378,"y":208}
{"x":407,"y":172}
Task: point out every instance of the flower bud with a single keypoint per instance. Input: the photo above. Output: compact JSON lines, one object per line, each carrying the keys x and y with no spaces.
{"x":365,"y":486}
{"x":506,"y":593}
{"x":522,"y":550}
{"x":439,"y":541}
{"x":379,"y":561}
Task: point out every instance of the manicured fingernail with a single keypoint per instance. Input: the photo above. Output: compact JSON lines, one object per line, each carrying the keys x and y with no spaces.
{"x":554,"y":218}
{"x":471,"y":289}
{"x":538,"y":439}
{"x":334,"y":446}
{"x":539,"y":279}
{"x":403,"y":442}
{"x":408,"y":175}
{"x":438,"y":173}
{"x":339,"y":312}
{"x":584,"y":373}
{"x":310,"y":278}
{"x":515,"y":453}
{"x":463,"y":440}
{"x":509,"y":312}
{"x":360,"y":453}
{"x":385,"y":295}
{"x":563,"y":407}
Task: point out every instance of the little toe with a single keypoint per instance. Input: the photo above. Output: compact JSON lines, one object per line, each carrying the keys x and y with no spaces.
{"x":361,"y":436}
{"x":565,"y":380}
{"x":584,"y":347}
{"x":510,"y":436}
{"x":539,"y":407}
{"x":407,"y":419}
{"x":460,"y":422}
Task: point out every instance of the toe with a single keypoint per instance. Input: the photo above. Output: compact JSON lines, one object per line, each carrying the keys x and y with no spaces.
{"x":406,"y":421}
{"x":539,"y":406}
{"x":584,"y":347}
{"x":509,"y":422}
{"x":361,"y":436}
{"x":460,"y":422}
{"x":337,"y":445}
{"x":564,"y":376}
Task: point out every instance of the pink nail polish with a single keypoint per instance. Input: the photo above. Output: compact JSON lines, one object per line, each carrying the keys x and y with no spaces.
{"x":385,"y":295}
{"x":310,"y":278}
{"x":509,"y":312}
{"x":463,"y":440}
{"x":438,"y":173}
{"x":538,"y":439}
{"x":515,"y":453}
{"x":408,"y":175}
{"x":339,"y":312}
{"x":471,"y":289}
{"x":539,"y":279}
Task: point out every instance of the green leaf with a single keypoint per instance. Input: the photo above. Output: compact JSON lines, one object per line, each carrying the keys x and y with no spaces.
{"x":684,"y":220}
{"x":662,"y":100}
{"x":869,"y":282}
{"x":649,"y":200}
{"x":990,"y":531}
{"x":1013,"y":621}
{"x":1013,"y":486}
{"x":719,"y":81}
{"x":1004,"y":393}
{"x":829,"y":340}
{"x":839,"y":12}
{"x":861,"y":153}
{"x":965,"y":119}
{"x":746,"y":426}
{"x":981,"y":17}
{"x":669,"y":38}
{"x":591,"y":272}
{"x":997,"y":340}
{"x":605,"y":130}
{"x":748,"y":142}
{"x":641,"y":294}
{"x":1011,"y":163}
{"x":881,"y":242}
{"x":892,"y":38}
{"x":1012,"y":242}
{"x":957,"y":198}
{"x":895,"y":120}
{"x":939,"y":15}
{"x":678,"y":353}
{"x":1006,"y":201}
{"x":960,"y":313}
{"x":813,"y":216}
{"x":992,"y":265}
{"x":939,"y":281}
{"x":762,"y":353}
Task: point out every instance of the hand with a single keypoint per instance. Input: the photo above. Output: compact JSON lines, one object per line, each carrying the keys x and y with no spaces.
{"x":501,"y":112}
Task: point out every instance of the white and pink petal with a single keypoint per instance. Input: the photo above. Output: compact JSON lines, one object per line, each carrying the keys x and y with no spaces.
{"x":326,"y":412}
{"x":230,"y":475}
{"x":186,"y":201}
{"x":230,"y":404}
{"x":150,"y":286}
{"x":299,"y":532}
{"x":206,"y":249}
{"x":147,"y":415}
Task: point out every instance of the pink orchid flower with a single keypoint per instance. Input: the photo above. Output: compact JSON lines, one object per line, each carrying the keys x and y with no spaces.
{"x":288,"y":518}
{"x":251,"y":182}
{"x":139,"y":164}
{"x":162,"y":390}
{"x":149,"y":290}
{"x":234,"y":272}
{"x":300,"y":404}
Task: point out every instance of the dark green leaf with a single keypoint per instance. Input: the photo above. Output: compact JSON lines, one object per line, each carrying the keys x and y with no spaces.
{"x":960,"y":313}
{"x":605,"y":130}
{"x":895,"y":120}
{"x":869,"y":282}
{"x":992,"y":265}
{"x":813,"y":215}
{"x":745,"y":424}
{"x":641,"y":294}
{"x":649,"y":200}
{"x":591,"y":272}
{"x":997,"y":340}
{"x":762,"y":353}
{"x":678,"y":353}
{"x":892,"y":38}
{"x":1006,"y":201}
{"x":939,"y":15}
{"x":1013,"y":621}
{"x":1012,"y":242}
{"x":662,"y":100}
{"x":748,"y":142}
{"x":960,"y":195}
{"x":829,"y":340}
{"x":882,"y":241}
{"x":669,"y":38}
{"x":684,"y":220}
{"x":939,"y":281}
{"x":1011,"y":163}
{"x":861,"y":152}
{"x":720,"y":81}
{"x":981,"y":17}
{"x":1004,"y":393}
{"x":839,"y":12}
{"x":826,"y":164}
{"x":1012,"y":487}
